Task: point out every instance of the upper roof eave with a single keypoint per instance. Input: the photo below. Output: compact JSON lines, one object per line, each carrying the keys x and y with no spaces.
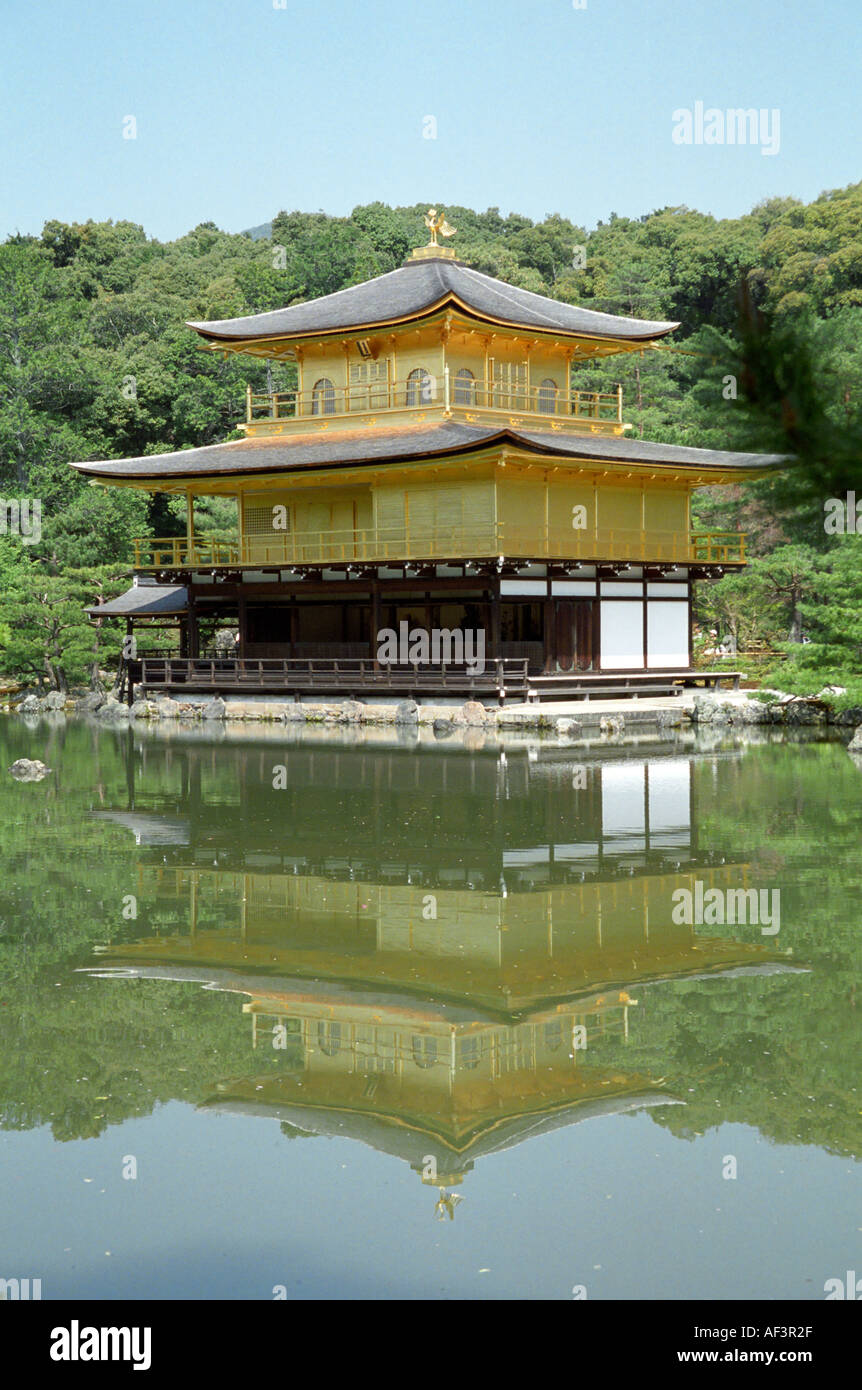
{"x":421,"y":288}
{"x":449,"y":301}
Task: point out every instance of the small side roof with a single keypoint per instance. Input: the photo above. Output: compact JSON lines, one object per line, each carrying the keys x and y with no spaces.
{"x":144,"y":601}
{"x":419,"y":288}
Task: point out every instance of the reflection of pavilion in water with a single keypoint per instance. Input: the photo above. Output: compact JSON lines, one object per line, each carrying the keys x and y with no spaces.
{"x":436,"y":1000}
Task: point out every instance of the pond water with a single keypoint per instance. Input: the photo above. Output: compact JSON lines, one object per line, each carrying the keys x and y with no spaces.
{"x":282,"y":1016}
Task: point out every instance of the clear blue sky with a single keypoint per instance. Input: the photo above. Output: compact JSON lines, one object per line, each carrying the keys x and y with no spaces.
{"x":243,"y":108}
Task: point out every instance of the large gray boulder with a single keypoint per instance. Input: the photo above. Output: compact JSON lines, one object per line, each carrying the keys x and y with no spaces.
{"x":852,"y":717}
{"x":55,"y":700}
{"x":28,"y":770}
{"x":612,"y":724}
{"x":804,"y":712}
{"x":353,"y":712}
{"x":167,"y":708}
{"x":756,"y":712}
{"x":112,"y":712}
{"x":31,"y":704}
{"x":568,"y":727}
{"x":855,"y":744}
{"x":473,"y":714}
{"x":214,"y":709}
{"x":89,"y":704}
{"x":407,"y":712}
{"x":706,"y":709}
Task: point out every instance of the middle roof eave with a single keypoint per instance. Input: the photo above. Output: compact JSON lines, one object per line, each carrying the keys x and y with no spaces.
{"x":410,"y":443}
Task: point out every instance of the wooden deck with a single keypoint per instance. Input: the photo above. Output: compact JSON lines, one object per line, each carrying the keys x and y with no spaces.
{"x":581,"y":685}
{"x":503,"y":679}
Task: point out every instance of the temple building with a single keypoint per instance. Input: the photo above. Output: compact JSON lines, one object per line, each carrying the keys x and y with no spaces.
{"x":433,"y":990}
{"x":436,"y":470}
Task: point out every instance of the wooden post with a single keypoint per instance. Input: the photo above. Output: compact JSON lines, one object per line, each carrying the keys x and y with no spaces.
{"x":375,"y":620}
{"x":495,"y":617}
{"x":190,"y":526}
{"x":241,"y":625}
{"x":549,"y":636}
{"x":129,"y":682}
{"x":193,"y":635}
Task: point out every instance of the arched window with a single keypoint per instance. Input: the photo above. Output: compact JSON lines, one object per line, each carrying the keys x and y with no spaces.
{"x":424,"y":1051}
{"x":419,"y":387}
{"x":329,"y":1037}
{"x":547,"y":397}
{"x":465,"y":387}
{"x":323,"y":397}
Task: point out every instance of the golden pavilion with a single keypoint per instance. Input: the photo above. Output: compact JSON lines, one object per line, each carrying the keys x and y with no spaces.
{"x":436,"y":469}
{"x":439,"y":992}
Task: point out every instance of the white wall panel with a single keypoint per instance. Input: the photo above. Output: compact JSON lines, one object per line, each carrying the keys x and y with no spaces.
{"x":622,"y":635}
{"x":667,"y":634}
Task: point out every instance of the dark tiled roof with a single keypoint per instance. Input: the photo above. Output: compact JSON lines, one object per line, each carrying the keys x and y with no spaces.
{"x":420,"y":286}
{"x":144,"y":600}
{"x":273,"y":454}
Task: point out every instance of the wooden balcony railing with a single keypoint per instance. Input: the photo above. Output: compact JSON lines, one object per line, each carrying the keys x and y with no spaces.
{"x":719,"y":547}
{"x":481,"y":541}
{"x":448,"y":390}
{"x":499,"y":676}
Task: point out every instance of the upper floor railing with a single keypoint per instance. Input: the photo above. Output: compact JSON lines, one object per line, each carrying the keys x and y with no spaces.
{"x":445,"y":543}
{"x":421,"y":390}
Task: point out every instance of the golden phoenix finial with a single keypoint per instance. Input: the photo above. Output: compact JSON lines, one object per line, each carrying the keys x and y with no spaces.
{"x":447,"y":1204}
{"x":436,"y":224}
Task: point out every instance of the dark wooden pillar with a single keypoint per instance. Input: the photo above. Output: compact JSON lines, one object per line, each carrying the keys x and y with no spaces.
{"x":193,"y":634}
{"x":564,"y":622}
{"x":127,"y":662}
{"x":549,"y":636}
{"x":494,"y":604}
{"x":375,"y":620}
{"x":597,"y":635}
{"x":242,"y":624}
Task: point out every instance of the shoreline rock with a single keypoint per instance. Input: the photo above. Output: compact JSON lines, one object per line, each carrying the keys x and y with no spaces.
{"x":29,"y":770}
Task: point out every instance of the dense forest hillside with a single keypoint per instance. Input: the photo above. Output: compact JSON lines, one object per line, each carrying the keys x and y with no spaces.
{"x":95,"y":361}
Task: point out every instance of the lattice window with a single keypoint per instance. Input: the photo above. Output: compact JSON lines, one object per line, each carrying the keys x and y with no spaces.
{"x":510,"y":384}
{"x":272,"y":519}
{"x":369,"y":385}
{"x":420,"y":387}
{"x":547,"y":397}
{"x":323,"y":397}
{"x":329,"y":1037}
{"x":465,"y":387}
{"x":424,"y":1051}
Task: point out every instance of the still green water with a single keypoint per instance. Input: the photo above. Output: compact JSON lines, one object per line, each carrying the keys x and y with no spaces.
{"x":282,"y":1014}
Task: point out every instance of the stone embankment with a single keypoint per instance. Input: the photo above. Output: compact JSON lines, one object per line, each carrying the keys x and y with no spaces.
{"x":789,"y":710}
{"x":568,"y":720}
{"x":404,"y":714}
